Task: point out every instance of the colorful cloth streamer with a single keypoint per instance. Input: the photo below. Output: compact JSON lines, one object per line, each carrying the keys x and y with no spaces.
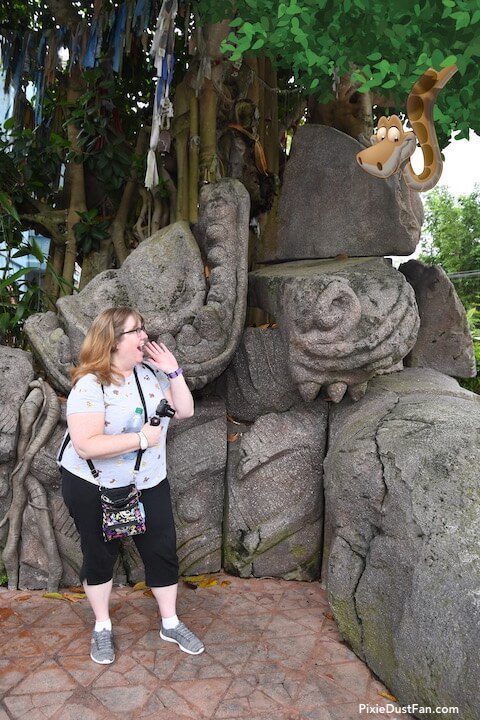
{"x":118,"y":35}
{"x":90,"y":56}
{"x":164,"y":61}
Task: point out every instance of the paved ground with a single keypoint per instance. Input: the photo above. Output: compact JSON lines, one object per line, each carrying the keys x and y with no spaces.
{"x":272,"y":653}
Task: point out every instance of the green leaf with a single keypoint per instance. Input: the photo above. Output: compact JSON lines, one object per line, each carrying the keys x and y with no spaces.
{"x":389,"y":84}
{"x":36,"y":250}
{"x":12,"y":278}
{"x":258,"y":44}
{"x":374,"y":57}
{"x":450,"y":60}
{"x":462,"y":19}
{"x":437,"y":58}
{"x":315,"y":82}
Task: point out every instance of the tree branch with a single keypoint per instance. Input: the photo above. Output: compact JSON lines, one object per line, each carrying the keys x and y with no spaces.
{"x":63,"y":12}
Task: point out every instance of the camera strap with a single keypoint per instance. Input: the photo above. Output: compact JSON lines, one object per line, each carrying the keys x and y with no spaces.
{"x":138,"y":460}
{"x":142,"y":398}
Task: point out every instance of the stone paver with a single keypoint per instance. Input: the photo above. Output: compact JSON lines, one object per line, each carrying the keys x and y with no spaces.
{"x":273,"y":652}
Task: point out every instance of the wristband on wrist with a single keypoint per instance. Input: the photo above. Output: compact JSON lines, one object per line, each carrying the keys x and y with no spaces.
{"x":175,"y":373}
{"x":143,"y":440}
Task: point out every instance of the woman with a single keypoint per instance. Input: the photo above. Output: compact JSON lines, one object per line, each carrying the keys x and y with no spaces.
{"x":105,"y":396}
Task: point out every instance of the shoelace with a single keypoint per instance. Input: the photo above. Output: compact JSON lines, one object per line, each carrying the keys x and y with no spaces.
{"x":104,"y":640}
{"x":186,"y":632}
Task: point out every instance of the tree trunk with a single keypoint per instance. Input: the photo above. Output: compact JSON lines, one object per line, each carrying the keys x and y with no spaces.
{"x":193,"y":157}
{"x":180,"y":128}
{"x":117,"y":232}
{"x":77,"y":184}
{"x":272,"y":142}
{"x":350,"y":112}
{"x":213,"y":36}
{"x":254,"y":87}
{"x":208,"y":133}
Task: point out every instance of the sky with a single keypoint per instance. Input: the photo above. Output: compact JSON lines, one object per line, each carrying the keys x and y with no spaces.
{"x":461,"y":169}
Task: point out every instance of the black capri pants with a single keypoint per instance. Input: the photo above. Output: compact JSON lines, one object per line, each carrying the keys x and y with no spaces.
{"x":157,"y":546}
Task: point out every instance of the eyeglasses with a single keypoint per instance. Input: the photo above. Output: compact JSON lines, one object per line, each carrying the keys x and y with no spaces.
{"x":137,"y":330}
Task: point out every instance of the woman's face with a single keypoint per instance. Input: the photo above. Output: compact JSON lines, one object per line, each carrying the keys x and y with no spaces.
{"x":130,"y":344}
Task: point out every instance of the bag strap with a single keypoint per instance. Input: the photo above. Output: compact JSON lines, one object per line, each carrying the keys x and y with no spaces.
{"x":66,"y":440}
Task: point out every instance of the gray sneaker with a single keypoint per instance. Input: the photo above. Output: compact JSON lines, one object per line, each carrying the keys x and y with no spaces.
{"x":185,"y":639}
{"x":101,"y":648}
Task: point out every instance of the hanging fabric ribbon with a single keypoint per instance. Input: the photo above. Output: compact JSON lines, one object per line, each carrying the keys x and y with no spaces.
{"x":119,"y":37}
{"x":90,"y":56}
{"x":164,"y":61}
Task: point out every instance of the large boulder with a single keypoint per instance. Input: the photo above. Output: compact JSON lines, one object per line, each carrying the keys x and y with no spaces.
{"x":402,"y":496}
{"x":330,"y":206}
{"x":444,"y":342}
{"x":164,"y":279}
{"x":341,"y":321}
{"x":258,"y":381}
{"x":274,"y":506}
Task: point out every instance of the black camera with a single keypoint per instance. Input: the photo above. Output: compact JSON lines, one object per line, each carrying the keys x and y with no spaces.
{"x":163,"y":410}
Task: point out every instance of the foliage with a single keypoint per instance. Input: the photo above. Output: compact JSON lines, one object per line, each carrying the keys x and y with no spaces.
{"x":90,"y":231}
{"x":452,"y":237}
{"x":20,"y":296}
{"x":105,"y":151}
{"x":30,"y":162}
{"x":453,"y":241}
{"x":17,"y":297}
{"x":387,"y":44}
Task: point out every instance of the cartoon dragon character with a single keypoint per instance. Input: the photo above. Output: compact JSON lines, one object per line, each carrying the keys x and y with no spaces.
{"x":392,"y":147}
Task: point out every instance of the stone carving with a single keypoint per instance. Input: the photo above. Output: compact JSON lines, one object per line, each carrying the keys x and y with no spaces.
{"x":330,"y":206}
{"x":38,"y":417}
{"x":197,"y":456}
{"x":16,"y":372}
{"x":164,"y":279}
{"x":274,"y":510}
{"x":444,"y":342}
{"x":403,"y":501}
{"x":342,"y":322}
{"x":257,"y":381}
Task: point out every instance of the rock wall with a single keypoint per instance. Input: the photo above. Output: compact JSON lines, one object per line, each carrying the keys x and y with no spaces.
{"x":403,"y":505}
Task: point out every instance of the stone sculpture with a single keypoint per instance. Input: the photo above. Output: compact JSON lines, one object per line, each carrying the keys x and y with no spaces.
{"x":341,"y":322}
{"x":393,"y":450}
{"x":164,"y":279}
{"x":274,"y":507}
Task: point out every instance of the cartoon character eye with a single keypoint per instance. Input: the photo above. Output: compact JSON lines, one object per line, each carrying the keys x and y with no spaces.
{"x":381,"y":133}
{"x":393,"y":134}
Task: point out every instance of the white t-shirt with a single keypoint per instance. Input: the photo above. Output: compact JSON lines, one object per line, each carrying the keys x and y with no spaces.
{"x":118,"y":403}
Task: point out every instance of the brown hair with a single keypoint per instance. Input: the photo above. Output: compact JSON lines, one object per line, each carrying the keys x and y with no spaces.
{"x":100,"y":341}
